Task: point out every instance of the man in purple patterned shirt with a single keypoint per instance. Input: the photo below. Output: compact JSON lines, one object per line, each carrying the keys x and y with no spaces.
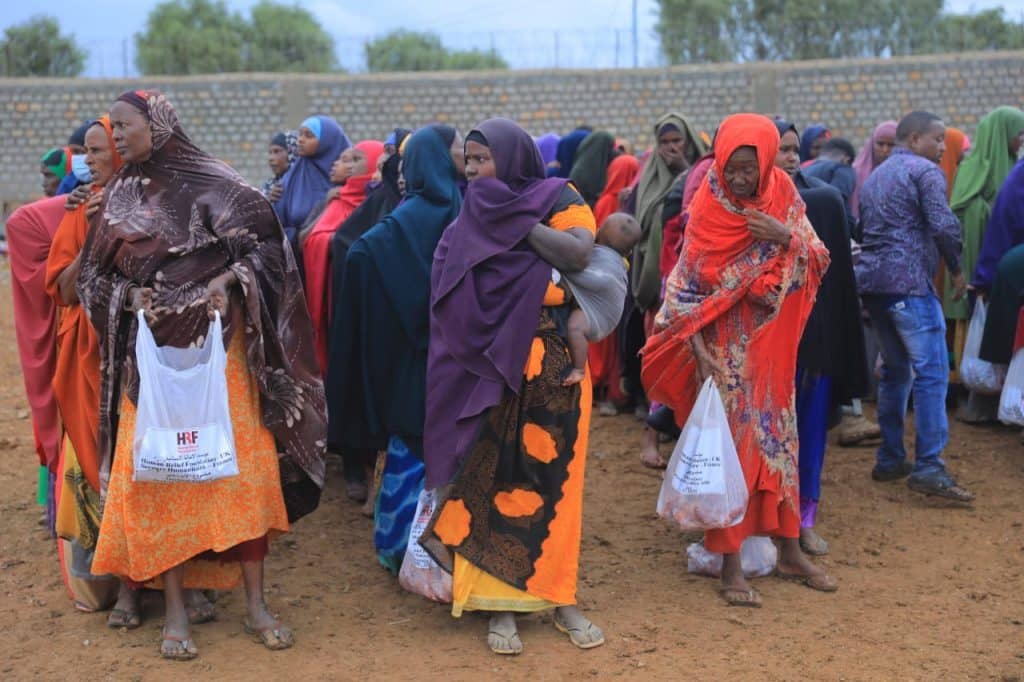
{"x":907,"y":226}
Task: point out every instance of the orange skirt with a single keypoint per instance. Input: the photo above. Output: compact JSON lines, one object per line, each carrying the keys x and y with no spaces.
{"x":149,"y":528}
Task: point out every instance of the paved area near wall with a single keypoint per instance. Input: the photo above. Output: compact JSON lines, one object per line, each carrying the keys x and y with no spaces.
{"x":928,"y":591}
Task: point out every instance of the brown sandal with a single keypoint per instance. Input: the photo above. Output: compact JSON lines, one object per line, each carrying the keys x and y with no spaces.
{"x":750,"y":598}
{"x":276,"y":637}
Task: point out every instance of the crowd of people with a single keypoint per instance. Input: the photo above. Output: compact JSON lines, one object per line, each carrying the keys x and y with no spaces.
{"x":424,"y":307}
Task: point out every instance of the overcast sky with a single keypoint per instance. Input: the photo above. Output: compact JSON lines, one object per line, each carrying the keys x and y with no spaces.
{"x":590,"y":33}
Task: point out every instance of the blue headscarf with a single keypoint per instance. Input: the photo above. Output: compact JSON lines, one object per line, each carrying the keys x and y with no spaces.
{"x":386,"y":299}
{"x":812,"y":133}
{"x":566,"y":152}
{"x":309,"y":177}
{"x":548,"y":146}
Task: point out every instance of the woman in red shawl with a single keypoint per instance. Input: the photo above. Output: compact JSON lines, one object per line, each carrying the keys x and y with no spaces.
{"x":353,"y":171}
{"x":735,"y":308}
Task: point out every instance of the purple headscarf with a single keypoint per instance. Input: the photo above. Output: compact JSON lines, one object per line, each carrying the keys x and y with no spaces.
{"x":865,"y":161}
{"x":548,"y":146}
{"x":487,"y":287}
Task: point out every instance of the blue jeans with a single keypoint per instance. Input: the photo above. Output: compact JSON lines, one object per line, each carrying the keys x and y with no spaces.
{"x":911,"y":335}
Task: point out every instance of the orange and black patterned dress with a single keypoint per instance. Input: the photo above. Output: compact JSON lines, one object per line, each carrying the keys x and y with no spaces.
{"x":509,"y":524}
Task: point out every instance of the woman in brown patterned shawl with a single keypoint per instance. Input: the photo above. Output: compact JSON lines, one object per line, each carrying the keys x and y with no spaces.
{"x":182,"y":235}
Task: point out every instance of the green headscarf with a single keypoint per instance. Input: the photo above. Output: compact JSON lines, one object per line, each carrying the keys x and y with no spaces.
{"x":977,"y":182}
{"x":655,"y":181}
{"x":56,"y":162}
{"x":590,"y":167}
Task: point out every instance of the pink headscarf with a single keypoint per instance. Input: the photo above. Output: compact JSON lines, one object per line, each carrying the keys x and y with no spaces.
{"x":865,"y":161}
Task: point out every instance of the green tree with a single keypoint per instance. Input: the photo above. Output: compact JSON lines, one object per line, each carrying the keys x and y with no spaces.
{"x":288,"y":39}
{"x":189,"y":37}
{"x":988,"y":30}
{"x":36,"y":48}
{"x":728,"y":30}
{"x":470,"y":60}
{"x":411,"y":51}
{"x":695,"y":31}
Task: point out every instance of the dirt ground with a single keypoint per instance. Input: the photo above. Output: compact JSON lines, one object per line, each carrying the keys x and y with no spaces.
{"x":928,"y":590}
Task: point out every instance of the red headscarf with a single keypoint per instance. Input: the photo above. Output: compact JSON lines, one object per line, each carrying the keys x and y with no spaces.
{"x":316,"y":249}
{"x":622,"y":171}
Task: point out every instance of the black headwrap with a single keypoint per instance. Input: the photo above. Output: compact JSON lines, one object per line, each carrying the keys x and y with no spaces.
{"x":78,"y":137}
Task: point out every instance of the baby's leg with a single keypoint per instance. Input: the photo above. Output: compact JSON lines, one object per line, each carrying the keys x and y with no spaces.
{"x":578,"y":347}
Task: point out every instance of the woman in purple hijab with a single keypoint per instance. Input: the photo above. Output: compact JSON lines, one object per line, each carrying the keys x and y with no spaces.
{"x":505,"y":442}
{"x":548,"y":146}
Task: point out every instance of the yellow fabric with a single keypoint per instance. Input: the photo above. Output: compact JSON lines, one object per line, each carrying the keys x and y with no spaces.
{"x":149,"y":528}
{"x":473,"y":589}
{"x":67,"y":515}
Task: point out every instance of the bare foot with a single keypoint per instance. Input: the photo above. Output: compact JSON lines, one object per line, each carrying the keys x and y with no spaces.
{"x":649,"y":455}
{"x":575,"y":377}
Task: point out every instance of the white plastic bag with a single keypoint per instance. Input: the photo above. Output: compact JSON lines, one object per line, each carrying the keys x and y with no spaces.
{"x":758,"y":556}
{"x":183,"y":428}
{"x":704,"y":487}
{"x":420,"y":574}
{"x":1011,"y":402}
{"x":976,"y":374}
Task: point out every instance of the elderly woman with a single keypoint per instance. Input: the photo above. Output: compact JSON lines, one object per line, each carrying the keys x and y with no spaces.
{"x":505,"y":441}
{"x":182,"y":236}
{"x":735,"y":308}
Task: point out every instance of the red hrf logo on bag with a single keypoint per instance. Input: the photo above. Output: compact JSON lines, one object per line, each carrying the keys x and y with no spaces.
{"x":187,"y":441}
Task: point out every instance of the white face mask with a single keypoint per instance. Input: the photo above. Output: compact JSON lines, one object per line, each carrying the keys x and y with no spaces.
{"x":79,"y":168}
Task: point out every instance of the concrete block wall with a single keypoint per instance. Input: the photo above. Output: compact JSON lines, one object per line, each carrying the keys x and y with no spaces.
{"x":233,"y":116}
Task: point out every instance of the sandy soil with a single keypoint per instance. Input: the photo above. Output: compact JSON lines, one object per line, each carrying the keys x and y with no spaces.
{"x":928,"y":590}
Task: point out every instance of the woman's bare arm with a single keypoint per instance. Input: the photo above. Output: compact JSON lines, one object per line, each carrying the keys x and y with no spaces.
{"x":567,"y":251}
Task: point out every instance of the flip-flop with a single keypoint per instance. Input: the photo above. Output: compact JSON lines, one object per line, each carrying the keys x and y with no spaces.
{"x":123,"y":618}
{"x":504,"y":645}
{"x":582,"y":638}
{"x":821,"y":582}
{"x":750,"y":598}
{"x":185,"y":649}
{"x":276,"y":637}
